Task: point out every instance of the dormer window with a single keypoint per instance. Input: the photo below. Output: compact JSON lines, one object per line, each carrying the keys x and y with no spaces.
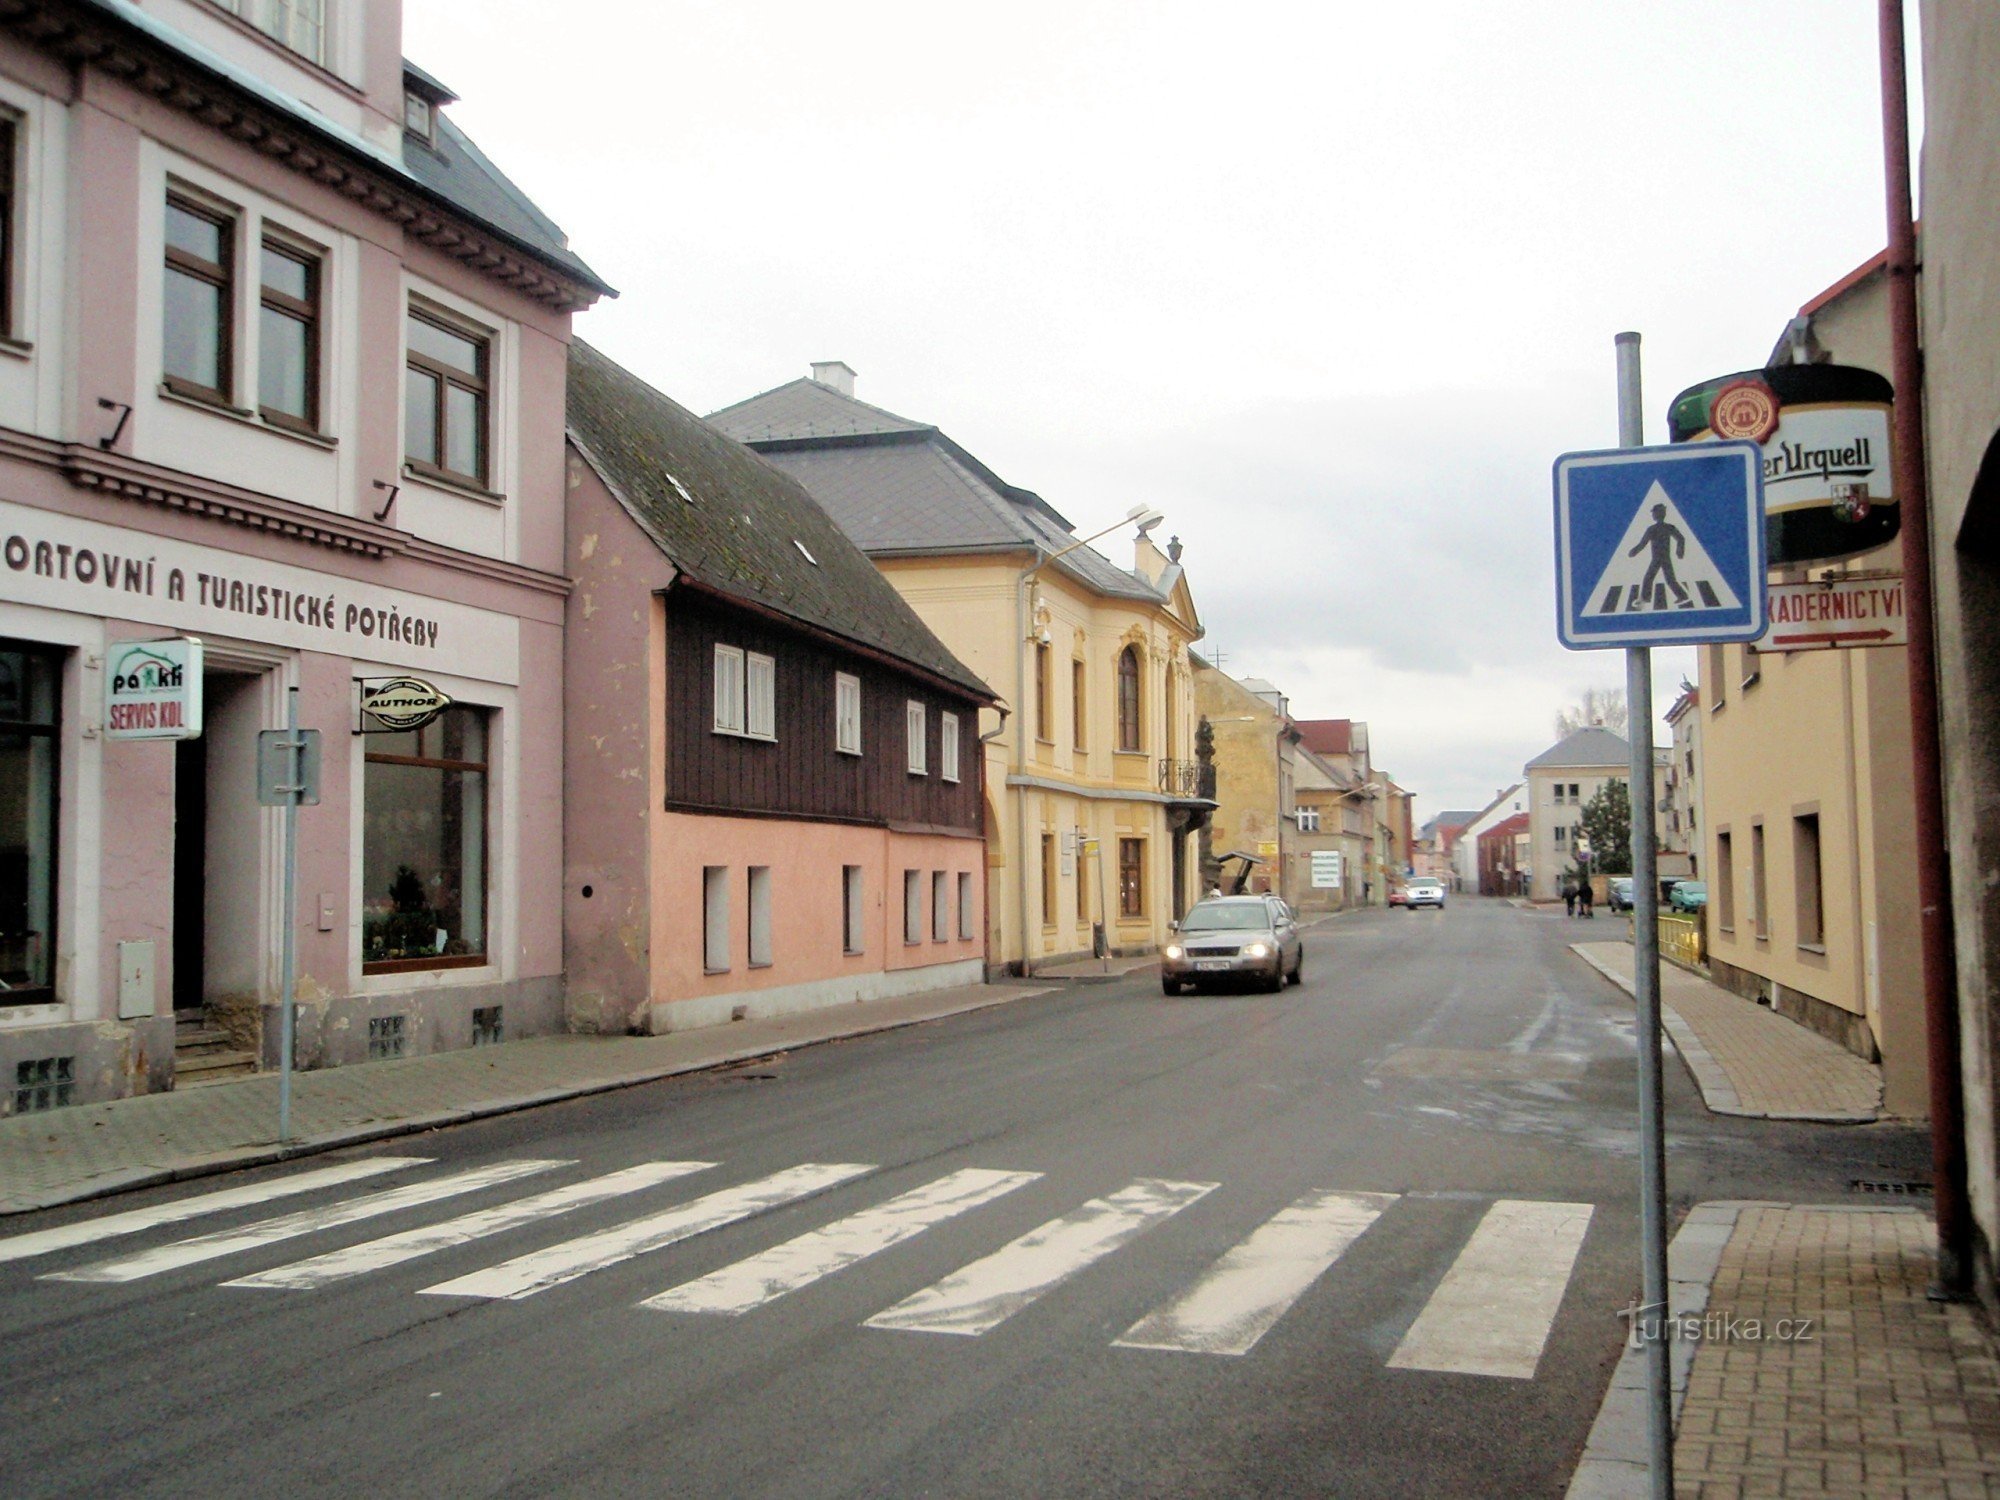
{"x":420,"y":117}
{"x":298,"y":25}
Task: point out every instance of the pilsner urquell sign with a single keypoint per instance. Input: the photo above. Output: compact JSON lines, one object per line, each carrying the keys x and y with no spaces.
{"x":1824,"y":430}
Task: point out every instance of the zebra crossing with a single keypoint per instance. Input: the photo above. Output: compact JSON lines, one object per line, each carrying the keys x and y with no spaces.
{"x":1489,"y":1313}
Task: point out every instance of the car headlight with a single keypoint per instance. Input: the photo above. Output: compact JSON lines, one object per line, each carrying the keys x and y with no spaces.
{"x":1175,"y":951}
{"x":1258,"y":950}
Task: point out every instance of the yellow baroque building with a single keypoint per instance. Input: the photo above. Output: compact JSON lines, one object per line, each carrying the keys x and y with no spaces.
{"x":1094,"y":793}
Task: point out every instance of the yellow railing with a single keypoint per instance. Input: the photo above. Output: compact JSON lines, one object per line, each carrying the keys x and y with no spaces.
{"x":1680,"y":940}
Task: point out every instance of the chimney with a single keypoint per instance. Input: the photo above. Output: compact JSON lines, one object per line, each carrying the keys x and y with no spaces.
{"x":835,"y":374}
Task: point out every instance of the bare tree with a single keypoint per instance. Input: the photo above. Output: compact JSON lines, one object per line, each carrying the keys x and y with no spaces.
{"x":1602,"y":708}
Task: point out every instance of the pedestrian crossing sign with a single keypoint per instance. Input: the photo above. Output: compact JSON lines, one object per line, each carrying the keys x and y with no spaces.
{"x":1660,"y":546}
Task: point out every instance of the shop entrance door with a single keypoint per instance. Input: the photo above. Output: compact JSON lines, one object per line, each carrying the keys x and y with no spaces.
{"x":190,"y":872}
{"x":221,"y":854}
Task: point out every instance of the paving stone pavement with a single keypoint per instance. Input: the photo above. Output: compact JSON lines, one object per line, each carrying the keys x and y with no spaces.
{"x":1825,"y":1370}
{"x":88,"y":1150}
{"x":1746,"y":1058}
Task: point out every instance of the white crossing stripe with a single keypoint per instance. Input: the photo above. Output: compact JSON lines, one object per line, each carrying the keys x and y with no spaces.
{"x":1256,"y":1283}
{"x":393,"y":1250}
{"x":111,"y":1226}
{"x":539,"y":1270}
{"x":988,"y":1292}
{"x":785,"y":1268}
{"x":1492,"y":1313}
{"x":307,"y":1221}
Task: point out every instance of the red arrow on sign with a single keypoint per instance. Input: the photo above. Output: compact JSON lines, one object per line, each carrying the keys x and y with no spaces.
{"x":1832,"y":636}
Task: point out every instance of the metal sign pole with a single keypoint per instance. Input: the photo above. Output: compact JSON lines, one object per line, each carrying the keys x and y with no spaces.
{"x":1652,"y":1321}
{"x":294,"y":786}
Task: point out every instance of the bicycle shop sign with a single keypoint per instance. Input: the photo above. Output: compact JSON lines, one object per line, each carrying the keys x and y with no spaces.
{"x":152,"y":690}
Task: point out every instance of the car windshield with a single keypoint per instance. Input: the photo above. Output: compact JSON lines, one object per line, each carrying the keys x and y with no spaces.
{"x":1227,"y":918}
{"x":1423,"y":885}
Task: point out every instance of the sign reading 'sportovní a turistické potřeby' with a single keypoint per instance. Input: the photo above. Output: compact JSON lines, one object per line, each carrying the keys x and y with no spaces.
{"x":152,"y":690}
{"x":1824,"y":432}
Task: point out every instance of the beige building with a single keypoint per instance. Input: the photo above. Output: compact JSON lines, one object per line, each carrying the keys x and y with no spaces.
{"x":1334,"y":815}
{"x":1561,"y":781}
{"x":1680,"y":813}
{"x":1255,"y":773}
{"x":1093,"y":790}
{"x":1806,"y":797}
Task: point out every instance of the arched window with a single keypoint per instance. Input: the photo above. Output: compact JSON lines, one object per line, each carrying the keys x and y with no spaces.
{"x":1128,"y":698}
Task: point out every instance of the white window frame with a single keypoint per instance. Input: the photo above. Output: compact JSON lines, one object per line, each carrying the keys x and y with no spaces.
{"x":1308,"y":818}
{"x":915,"y":726}
{"x":948,"y":746}
{"x":760,"y":917}
{"x":760,"y":693}
{"x":728,"y":689}
{"x":846,"y":713}
{"x":715,"y":919}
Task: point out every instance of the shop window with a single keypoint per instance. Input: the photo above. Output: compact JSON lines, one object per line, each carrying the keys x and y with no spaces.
{"x":715,"y":919}
{"x":445,"y":398}
{"x":852,"y":888}
{"x":30,"y":699}
{"x":1128,"y":699}
{"x":288,"y":337}
{"x":1131,"y":877}
{"x":423,"y":853}
{"x":760,"y":916}
{"x":198,"y":295}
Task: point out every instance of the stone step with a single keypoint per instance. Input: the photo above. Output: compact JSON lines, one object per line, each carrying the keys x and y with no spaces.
{"x":198,"y":1066}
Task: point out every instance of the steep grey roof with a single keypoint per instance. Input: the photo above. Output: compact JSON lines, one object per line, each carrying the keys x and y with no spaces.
{"x":733,"y":523}
{"x":898,"y":486}
{"x":1586,"y":747}
{"x":1447,"y":820}
{"x":461,"y":174}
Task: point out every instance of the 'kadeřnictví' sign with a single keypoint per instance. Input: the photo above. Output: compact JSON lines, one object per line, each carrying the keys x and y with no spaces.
{"x":1824,"y":430}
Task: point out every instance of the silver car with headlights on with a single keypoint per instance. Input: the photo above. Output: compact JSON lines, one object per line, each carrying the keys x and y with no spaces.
{"x":1233,"y":938}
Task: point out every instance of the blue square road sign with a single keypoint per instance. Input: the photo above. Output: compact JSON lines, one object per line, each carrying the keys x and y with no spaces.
{"x":1660,"y":546}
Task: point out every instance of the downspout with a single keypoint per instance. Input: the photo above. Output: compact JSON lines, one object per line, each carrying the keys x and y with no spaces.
{"x":984,"y":740}
{"x":1021,"y":588}
{"x":1933,"y":872}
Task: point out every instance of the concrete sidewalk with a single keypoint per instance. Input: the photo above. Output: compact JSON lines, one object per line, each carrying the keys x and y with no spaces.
{"x":1748,"y":1060}
{"x":1808,"y":1361}
{"x":86,"y":1151}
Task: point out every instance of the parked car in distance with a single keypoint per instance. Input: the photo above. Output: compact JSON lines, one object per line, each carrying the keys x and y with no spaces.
{"x":1424,"y":891}
{"x":1234,"y":937}
{"x":1688,"y":895}
{"x":1398,"y":896}
{"x":1618,"y":895}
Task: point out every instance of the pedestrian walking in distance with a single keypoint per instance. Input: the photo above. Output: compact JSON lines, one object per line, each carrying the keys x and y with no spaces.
{"x":1569,"y":898}
{"x":1584,"y":897}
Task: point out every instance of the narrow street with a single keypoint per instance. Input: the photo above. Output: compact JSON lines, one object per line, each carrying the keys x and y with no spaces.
{"x":1208,"y":1245}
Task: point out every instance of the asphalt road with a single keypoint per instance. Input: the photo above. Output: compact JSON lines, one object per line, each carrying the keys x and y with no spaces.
{"x":1446,"y":1061}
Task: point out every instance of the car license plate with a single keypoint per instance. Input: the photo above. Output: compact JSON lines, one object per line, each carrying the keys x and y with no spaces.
{"x":1211,"y":963}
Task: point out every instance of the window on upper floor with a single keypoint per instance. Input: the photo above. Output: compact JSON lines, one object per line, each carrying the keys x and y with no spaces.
{"x":846,"y":713}
{"x":1128,"y":699}
{"x":445,"y":397}
{"x":420,"y":117}
{"x":288,"y":336}
{"x":1044,"y":709}
{"x":297,"y":25}
{"x":745,"y":693}
{"x":1079,"y":721}
{"x":1308,"y":819}
{"x":948,"y":746}
{"x":914,"y":738}
{"x":198,"y":350}
{"x":10,"y":142}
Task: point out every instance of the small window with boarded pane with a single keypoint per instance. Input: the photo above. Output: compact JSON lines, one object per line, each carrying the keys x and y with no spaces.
{"x":445,"y":398}
{"x":1131,"y":877}
{"x":197,"y":350}
{"x":10,"y":140}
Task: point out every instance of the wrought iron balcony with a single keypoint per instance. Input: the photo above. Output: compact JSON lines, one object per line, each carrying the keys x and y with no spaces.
{"x":1189,"y":779}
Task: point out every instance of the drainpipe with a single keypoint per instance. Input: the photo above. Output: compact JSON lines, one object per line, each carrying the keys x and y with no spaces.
{"x":1933,"y":867}
{"x":1022,"y":588}
{"x":984,"y":740}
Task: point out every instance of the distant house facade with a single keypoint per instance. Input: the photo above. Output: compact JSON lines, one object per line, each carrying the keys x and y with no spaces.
{"x":1466,"y":856}
{"x":774,"y":787}
{"x":1680,"y":818}
{"x":1341,"y":747}
{"x":1094,"y":793}
{"x":281,"y":368}
{"x":1502,"y":851}
{"x":1332,"y":818}
{"x":1256,"y":774}
{"x":1561,"y":782}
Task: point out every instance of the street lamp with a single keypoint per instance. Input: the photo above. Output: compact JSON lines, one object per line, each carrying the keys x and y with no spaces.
{"x":1026,"y":629}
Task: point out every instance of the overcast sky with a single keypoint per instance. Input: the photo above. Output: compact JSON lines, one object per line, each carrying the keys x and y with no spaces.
{"x":1330,"y":283}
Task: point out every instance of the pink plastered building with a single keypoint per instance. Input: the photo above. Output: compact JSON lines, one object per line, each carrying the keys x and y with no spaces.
{"x":774,"y":780}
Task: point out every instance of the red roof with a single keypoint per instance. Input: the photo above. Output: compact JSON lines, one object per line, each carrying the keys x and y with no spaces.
{"x":1327,"y":736}
{"x":1506,"y":828}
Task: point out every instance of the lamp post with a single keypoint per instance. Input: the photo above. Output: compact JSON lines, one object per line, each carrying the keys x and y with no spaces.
{"x":1145,"y":518}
